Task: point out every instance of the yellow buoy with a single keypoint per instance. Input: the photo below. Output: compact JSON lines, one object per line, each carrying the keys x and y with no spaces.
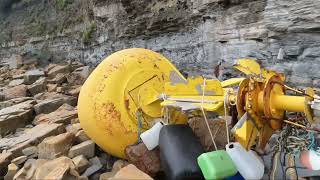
{"x":127,"y":81}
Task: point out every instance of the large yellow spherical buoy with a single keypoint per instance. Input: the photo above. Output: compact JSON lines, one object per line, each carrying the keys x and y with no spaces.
{"x":127,"y":81}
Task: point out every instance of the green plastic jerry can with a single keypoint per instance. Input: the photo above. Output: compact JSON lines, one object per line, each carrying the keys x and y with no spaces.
{"x":216,"y":165}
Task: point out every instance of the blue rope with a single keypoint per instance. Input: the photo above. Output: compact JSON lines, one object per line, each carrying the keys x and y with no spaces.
{"x":312,"y":143}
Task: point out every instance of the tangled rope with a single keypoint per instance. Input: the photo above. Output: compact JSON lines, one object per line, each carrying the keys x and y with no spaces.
{"x":292,"y":140}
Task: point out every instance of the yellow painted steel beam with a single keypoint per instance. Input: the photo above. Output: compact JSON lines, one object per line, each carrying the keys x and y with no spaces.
{"x":289,"y":103}
{"x":231,"y":82}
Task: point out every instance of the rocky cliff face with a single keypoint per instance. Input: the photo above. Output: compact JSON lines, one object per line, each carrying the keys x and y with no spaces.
{"x":194,"y":34}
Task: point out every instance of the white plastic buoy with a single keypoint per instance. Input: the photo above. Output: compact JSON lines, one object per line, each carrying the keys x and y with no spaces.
{"x":151,"y":137}
{"x":247,"y":162}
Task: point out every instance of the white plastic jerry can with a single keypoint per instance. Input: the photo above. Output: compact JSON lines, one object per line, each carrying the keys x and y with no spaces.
{"x":151,"y":137}
{"x":249,"y":165}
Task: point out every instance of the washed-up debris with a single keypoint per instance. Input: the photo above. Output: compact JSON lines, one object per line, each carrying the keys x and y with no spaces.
{"x":151,"y":137}
{"x":216,"y":165}
{"x":43,"y":139}
{"x":179,"y":150}
{"x":249,"y":165}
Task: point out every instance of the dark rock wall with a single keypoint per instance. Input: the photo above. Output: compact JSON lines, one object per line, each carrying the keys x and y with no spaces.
{"x":194,"y":34}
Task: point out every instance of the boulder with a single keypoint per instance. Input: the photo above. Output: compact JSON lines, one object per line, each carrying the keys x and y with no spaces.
{"x":75,"y":120}
{"x":15,"y":61}
{"x":53,"y":95}
{"x":74,"y":91}
{"x":5,"y":158}
{"x":52,"y":87}
{"x":19,"y":160}
{"x":16,"y":82}
{"x":31,"y":151}
{"x":27,"y":172}
{"x":2,"y":95}
{"x":58,"y":79}
{"x":145,"y":160}
{"x":16,"y":116}
{"x":12,"y":102}
{"x":95,"y":166}
{"x":118,"y":165}
{"x":18,"y":73}
{"x":107,"y":175}
{"x":15,"y":92}
{"x":48,"y":106}
{"x":37,"y":87}
{"x":49,"y":67}
{"x":131,"y":172}
{"x":61,"y":89}
{"x":60,"y":168}
{"x":86,"y":148}
{"x":64,"y":114}
{"x":106,"y":160}
{"x":75,"y":65}
{"x":81,"y":136}
{"x":18,"y":76}
{"x":217,"y":127}
{"x":32,"y":137}
{"x":12,"y":170}
{"x":81,"y":163}
{"x":32,"y":76}
{"x":73,"y":128}
{"x":78,"y":76}
{"x":52,"y":72}
{"x":55,"y":146}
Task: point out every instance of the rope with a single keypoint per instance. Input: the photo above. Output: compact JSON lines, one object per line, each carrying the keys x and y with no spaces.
{"x":275,"y":164}
{"x":225,"y":116}
{"x":312,"y":143}
{"x":295,"y":124}
{"x":205,"y":117}
{"x":139,"y":125}
{"x":164,"y":110}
